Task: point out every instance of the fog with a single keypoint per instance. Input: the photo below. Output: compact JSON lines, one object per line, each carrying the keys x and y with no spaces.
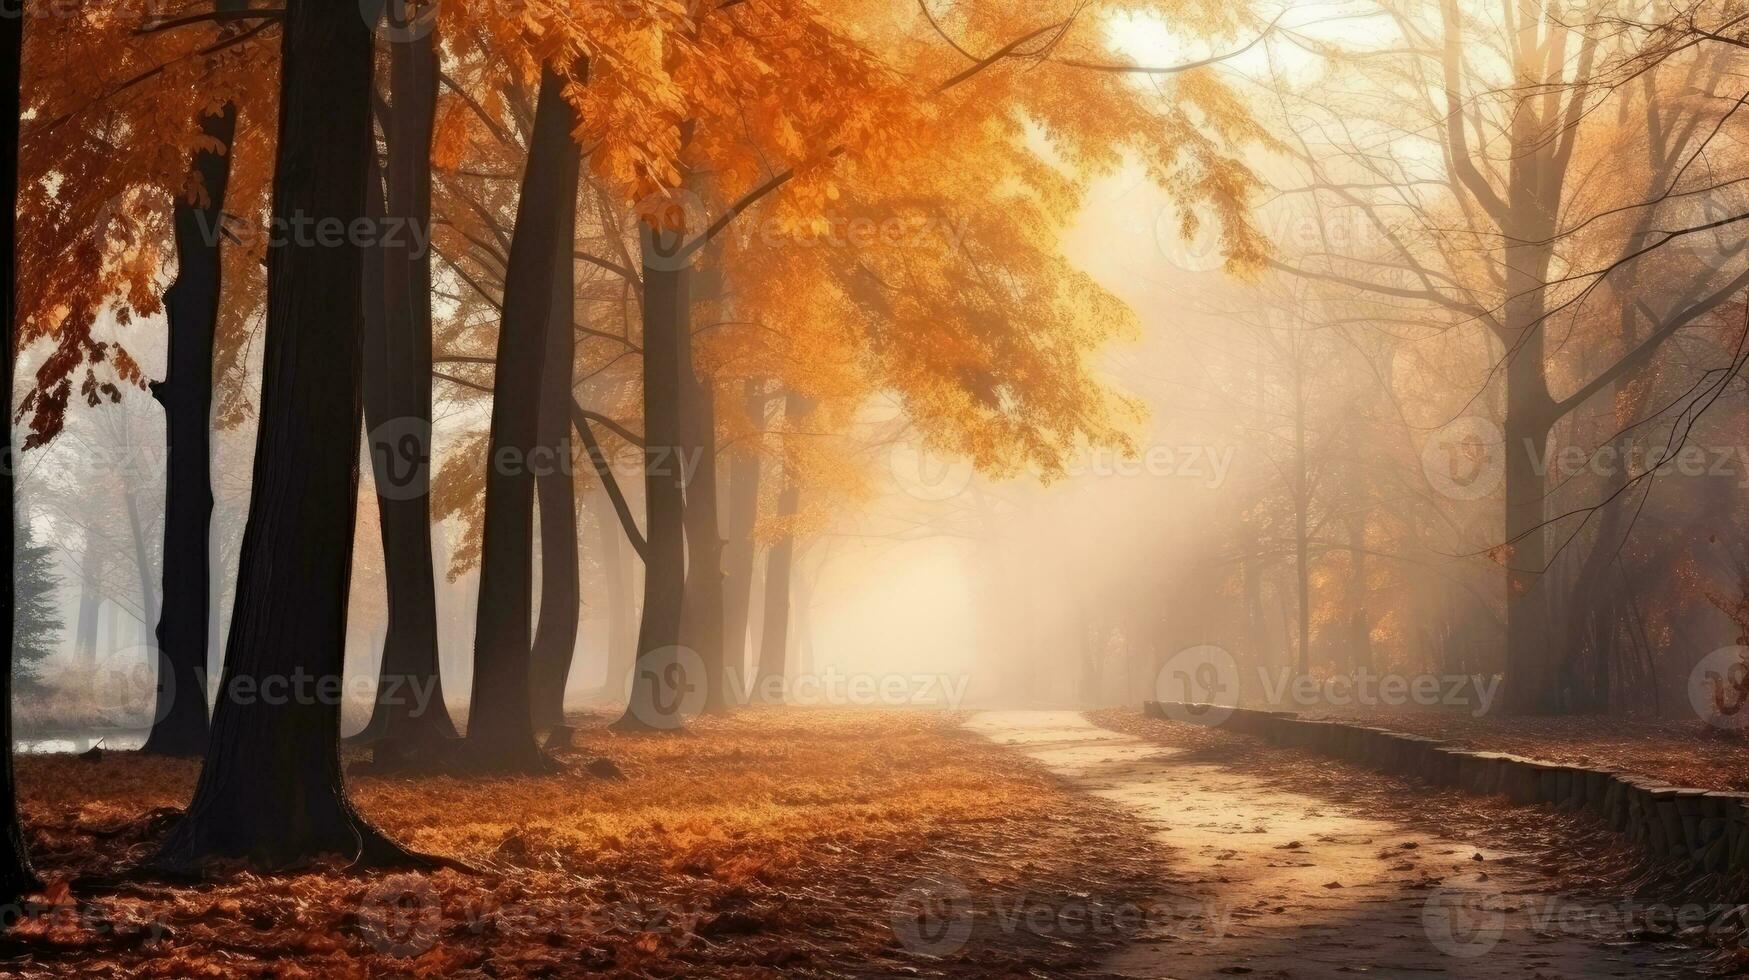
{"x":1316,"y":452}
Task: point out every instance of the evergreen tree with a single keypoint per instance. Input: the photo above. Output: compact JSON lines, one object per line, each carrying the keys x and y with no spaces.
{"x":36,"y":626}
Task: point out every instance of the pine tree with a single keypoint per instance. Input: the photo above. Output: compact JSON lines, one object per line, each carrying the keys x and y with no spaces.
{"x":36,"y":628}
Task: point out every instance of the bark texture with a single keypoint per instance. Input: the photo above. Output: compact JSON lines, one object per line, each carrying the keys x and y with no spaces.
{"x":271,"y":793}
{"x":703,"y":612}
{"x":555,"y":633}
{"x":779,"y":561}
{"x":739,"y":551}
{"x":410,"y":707}
{"x":659,"y":682}
{"x":191,"y":308}
{"x":500,"y":728}
{"x":16,"y":875}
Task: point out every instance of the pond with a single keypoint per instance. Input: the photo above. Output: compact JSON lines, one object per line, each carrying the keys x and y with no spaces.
{"x":37,"y":743}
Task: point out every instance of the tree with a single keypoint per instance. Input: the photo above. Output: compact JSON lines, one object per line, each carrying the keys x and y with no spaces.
{"x":36,"y":627}
{"x":741,"y":513}
{"x":772,"y":678}
{"x":1490,"y":241}
{"x":703,"y":614}
{"x":555,"y":634}
{"x":500,"y":727}
{"x":760,"y":96}
{"x":98,"y":221}
{"x":410,"y":707}
{"x":661,"y":678}
{"x":271,"y":792}
{"x":191,"y":305}
{"x":17,"y":878}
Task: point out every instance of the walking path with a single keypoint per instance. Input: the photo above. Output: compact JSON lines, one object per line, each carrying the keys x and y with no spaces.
{"x":1276,"y":884}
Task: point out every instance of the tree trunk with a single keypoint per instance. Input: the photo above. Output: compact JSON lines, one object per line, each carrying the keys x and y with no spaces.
{"x":662,"y":675}
{"x":16,"y":876}
{"x":772,"y":678}
{"x":271,"y":792}
{"x":1359,"y":621}
{"x":500,"y":726}
{"x":1256,"y":625}
{"x":90,"y":604}
{"x":1302,"y":507}
{"x":1530,"y":686}
{"x":555,"y":635}
{"x":801,"y":631}
{"x":740,"y":551}
{"x":191,"y":307}
{"x":217,"y":573}
{"x":704,"y":605}
{"x":1087,"y":684}
{"x":410,"y":706}
{"x":112,"y":628}
{"x":142,"y":560}
{"x":622,"y":639}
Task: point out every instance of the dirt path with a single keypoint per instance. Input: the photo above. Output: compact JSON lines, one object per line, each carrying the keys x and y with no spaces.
{"x":1276,"y":884}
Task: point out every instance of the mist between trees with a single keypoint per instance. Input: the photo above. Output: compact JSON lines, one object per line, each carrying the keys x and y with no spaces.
{"x":661,"y":359}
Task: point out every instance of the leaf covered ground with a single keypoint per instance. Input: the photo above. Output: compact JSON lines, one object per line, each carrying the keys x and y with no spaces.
{"x":772,"y":842}
{"x":1686,"y":752}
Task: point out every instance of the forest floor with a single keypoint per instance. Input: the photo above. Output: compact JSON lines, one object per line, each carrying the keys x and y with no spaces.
{"x":1681,"y":753}
{"x":771,"y":842}
{"x":1573,"y":873}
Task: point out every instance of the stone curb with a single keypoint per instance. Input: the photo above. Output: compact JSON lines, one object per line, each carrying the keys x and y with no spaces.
{"x":1709,"y":829}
